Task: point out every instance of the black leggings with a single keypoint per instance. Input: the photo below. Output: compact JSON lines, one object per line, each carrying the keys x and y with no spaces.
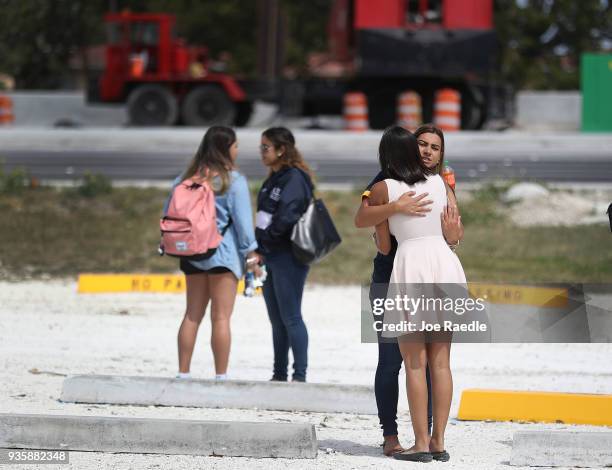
{"x":386,"y":386}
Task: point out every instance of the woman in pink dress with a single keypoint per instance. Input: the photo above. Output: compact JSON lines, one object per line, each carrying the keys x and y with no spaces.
{"x":423,"y":259}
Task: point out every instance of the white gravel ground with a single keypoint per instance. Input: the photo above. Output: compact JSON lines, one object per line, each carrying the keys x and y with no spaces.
{"x":559,"y":208}
{"x":46,"y":328}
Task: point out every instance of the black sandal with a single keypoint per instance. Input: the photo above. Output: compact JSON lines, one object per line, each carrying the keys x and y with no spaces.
{"x":423,"y":457}
{"x":441,"y":456}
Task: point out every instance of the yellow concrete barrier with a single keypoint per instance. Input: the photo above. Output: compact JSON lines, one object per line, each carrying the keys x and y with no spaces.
{"x":544,"y":407}
{"x":111,"y":283}
{"x":520,"y":295}
{"x":99,"y":283}
{"x":175,"y":283}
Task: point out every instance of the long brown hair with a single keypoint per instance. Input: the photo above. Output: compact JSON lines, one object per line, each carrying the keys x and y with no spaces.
{"x":213,"y":157}
{"x":291,"y":157}
{"x":431,"y":129}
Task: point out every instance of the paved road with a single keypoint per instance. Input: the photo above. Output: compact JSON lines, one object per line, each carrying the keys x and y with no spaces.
{"x":135,"y":154}
{"x":150,"y":166}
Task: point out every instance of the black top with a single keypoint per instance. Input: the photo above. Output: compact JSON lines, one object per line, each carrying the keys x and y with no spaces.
{"x":281,"y":201}
{"x":383,"y":264}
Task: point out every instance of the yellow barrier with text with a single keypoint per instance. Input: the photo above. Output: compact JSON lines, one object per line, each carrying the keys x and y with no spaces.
{"x":175,"y":283}
{"x":520,"y":295}
{"x":159,"y":283}
{"x":544,"y":407}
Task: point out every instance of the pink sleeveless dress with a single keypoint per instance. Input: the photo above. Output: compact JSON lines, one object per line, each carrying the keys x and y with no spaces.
{"x":423,"y":257}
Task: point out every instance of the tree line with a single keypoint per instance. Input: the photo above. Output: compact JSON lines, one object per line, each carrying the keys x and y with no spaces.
{"x":541,"y":41}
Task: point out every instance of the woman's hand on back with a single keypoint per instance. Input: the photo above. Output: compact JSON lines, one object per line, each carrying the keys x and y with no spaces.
{"x":451,"y":224}
{"x":409,"y":204}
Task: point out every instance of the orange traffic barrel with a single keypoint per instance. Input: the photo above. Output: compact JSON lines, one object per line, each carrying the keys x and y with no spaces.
{"x":447,"y":109}
{"x":409,"y":110}
{"x":6,"y":110}
{"x":355,"y":111}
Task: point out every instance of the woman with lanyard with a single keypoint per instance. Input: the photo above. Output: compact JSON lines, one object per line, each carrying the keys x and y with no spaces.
{"x":282,"y":199}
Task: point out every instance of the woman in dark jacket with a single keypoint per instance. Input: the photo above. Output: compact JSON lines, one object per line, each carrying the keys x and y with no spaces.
{"x":282,"y":199}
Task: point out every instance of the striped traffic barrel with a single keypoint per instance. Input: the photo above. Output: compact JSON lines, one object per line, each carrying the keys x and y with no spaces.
{"x":355,"y":111}
{"x":447,"y":109}
{"x":409,"y":110}
{"x":6,"y":110}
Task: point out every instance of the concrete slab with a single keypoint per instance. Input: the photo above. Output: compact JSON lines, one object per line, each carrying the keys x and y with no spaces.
{"x":47,"y":108}
{"x":562,"y":449}
{"x":157,"y":436}
{"x":244,"y":394}
{"x":462,"y":146}
{"x":548,"y":110}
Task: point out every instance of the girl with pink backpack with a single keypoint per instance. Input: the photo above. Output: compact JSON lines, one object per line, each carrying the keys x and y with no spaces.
{"x":213,"y":245}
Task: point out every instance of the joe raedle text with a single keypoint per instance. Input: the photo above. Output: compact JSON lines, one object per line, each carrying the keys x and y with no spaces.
{"x":408,"y":314}
{"x":413,"y":327}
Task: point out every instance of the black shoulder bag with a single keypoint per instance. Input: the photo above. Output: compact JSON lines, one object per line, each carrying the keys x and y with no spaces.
{"x":314,"y":235}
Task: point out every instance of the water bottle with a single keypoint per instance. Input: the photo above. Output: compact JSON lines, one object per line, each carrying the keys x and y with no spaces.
{"x":449,"y":176}
{"x":249,"y":284}
{"x":259,"y":281}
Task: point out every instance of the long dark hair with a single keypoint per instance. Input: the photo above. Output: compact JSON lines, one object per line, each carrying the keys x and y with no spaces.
{"x":431,"y":129}
{"x":213,"y":156}
{"x":399,"y":157}
{"x":291,"y":157}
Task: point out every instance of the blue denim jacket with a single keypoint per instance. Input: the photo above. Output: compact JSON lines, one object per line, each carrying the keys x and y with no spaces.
{"x":239,"y":239}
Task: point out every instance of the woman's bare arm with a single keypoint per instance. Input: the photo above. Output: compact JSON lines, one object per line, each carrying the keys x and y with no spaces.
{"x":369,"y":215}
{"x":379,"y":196}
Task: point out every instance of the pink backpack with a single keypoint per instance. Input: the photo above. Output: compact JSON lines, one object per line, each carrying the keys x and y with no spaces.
{"x":189,"y":227}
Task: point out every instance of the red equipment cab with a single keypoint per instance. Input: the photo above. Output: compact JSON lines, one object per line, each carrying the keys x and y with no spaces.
{"x":162,"y":80}
{"x":420,"y":45}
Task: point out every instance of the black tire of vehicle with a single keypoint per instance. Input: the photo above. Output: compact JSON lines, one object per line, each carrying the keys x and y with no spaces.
{"x":243,"y":113}
{"x":152,"y":105}
{"x":206,"y":106}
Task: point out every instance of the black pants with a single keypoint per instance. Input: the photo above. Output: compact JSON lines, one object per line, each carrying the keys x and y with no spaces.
{"x":386,"y":386}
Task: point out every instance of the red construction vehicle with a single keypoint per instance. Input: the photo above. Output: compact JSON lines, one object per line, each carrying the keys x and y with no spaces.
{"x":379,"y":47}
{"x":161,"y":80}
